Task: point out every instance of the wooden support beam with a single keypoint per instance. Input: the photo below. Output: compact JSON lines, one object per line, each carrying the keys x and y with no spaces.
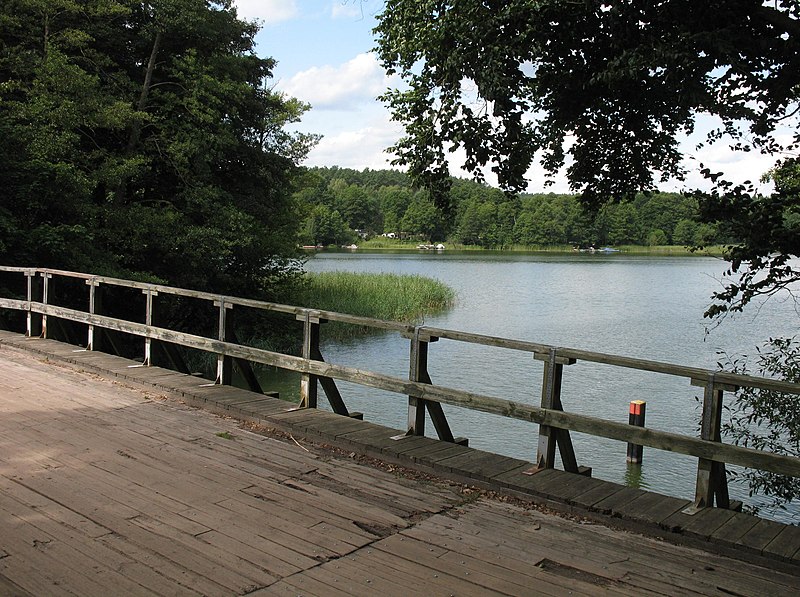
{"x":149,"y":293}
{"x":33,"y":288}
{"x":417,"y":407}
{"x":92,"y":339}
{"x":243,"y":366}
{"x":46,"y":277}
{"x":224,"y":362}
{"x":332,"y":391}
{"x":417,"y":371}
{"x":552,"y":437}
{"x":712,"y":482}
{"x":308,"y":382}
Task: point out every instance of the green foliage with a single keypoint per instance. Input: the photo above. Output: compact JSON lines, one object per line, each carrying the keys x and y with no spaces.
{"x":421,"y":218}
{"x":657,"y":237}
{"x":405,"y":298}
{"x":325,"y":227}
{"x":768,"y":228}
{"x":140,"y":140}
{"x":767,"y":420}
{"x":482,"y":216}
{"x":608,"y":90}
{"x":503,"y":81}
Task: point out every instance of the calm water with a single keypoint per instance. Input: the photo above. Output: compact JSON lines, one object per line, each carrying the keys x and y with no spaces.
{"x":640,"y":306}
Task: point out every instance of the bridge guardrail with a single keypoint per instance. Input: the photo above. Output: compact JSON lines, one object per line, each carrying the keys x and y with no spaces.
{"x":423,"y":395}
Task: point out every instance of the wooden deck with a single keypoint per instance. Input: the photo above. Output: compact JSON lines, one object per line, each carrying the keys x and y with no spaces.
{"x":107,"y":488}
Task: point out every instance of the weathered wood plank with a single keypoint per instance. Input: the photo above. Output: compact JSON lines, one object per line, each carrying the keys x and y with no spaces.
{"x":12,"y":589}
{"x":479,"y":463}
{"x":619,"y":500}
{"x":703,"y":524}
{"x":489,"y":576}
{"x":785,"y":545}
{"x":599,"y":491}
{"x":564,"y":486}
{"x":426,"y":452}
{"x":187,"y":508}
{"x":653,"y":508}
{"x":735,"y":528}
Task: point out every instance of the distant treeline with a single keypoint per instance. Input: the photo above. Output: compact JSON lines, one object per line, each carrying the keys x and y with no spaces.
{"x":338,"y":205}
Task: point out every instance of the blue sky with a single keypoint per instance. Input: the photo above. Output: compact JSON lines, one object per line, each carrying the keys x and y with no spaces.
{"x":323,"y":49}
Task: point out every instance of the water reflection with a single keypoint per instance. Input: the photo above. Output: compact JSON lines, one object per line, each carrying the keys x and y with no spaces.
{"x":635,"y":476}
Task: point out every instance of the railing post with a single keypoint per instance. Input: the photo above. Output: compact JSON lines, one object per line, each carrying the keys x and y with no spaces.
{"x":224,"y":363}
{"x":712,"y":482}
{"x":308,"y":382}
{"x":418,"y":371}
{"x":93,"y":304}
{"x":31,"y":279}
{"x":551,"y":437}
{"x":148,"y":320}
{"x":46,"y":276}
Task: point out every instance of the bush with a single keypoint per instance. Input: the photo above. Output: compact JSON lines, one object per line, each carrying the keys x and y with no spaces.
{"x":767,"y":420}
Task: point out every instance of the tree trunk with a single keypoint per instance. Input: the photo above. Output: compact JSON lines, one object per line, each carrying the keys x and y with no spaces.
{"x":136,"y":127}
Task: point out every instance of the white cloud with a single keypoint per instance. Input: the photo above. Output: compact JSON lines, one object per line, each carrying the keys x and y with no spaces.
{"x":357,"y":148}
{"x":346,"y":10}
{"x":269,"y":11}
{"x":356,"y":81}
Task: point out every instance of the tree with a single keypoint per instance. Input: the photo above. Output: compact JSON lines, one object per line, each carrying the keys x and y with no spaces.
{"x":769,"y":229}
{"x":767,"y":420}
{"x":624,"y":225}
{"x":421,"y":217}
{"x":505,"y":80}
{"x":502,"y":81}
{"x":393,"y":202}
{"x":326,"y":227}
{"x":141,"y":140}
{"x":358,"y":207}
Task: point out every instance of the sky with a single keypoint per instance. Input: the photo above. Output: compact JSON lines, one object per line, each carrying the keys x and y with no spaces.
{"x":325,"y":58}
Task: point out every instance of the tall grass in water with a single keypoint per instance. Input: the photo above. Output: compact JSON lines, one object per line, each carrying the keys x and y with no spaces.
{"x":406,"y":298}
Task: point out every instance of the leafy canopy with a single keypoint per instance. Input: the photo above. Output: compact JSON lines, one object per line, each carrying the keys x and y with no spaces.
{"x":610,"y":84}
{"x":141,"y":139}
{"x":608,"y":89}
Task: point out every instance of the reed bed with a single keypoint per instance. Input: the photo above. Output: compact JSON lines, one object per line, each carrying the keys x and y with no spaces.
{"x":396,"y":297}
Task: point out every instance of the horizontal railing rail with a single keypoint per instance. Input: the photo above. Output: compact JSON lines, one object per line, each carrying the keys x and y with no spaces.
{"x":554,"y":423}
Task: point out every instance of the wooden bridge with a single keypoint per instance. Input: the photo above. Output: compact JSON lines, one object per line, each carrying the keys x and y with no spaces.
{"x":193,"y":525}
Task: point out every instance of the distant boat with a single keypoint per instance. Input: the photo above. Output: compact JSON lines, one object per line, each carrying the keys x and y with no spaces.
{"x":423,"y":247}
{"x":352,"y":247}
{"x":608,"y":250}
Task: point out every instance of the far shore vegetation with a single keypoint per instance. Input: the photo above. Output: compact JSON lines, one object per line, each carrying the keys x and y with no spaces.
{"x":389,"y":244}
{"x":383,"y":209}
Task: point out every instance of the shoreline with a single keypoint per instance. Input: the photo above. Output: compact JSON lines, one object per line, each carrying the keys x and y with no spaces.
{"x":663,"y":250}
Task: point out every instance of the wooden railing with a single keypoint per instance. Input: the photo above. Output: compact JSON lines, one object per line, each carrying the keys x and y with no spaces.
{"x":422,"y":394}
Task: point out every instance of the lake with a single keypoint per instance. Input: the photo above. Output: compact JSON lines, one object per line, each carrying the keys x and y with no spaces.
{"x":640,"y":306}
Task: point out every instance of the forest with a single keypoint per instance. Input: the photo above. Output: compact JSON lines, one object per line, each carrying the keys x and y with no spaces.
{"x":143,"y":140}
{"x":339,"y":205}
